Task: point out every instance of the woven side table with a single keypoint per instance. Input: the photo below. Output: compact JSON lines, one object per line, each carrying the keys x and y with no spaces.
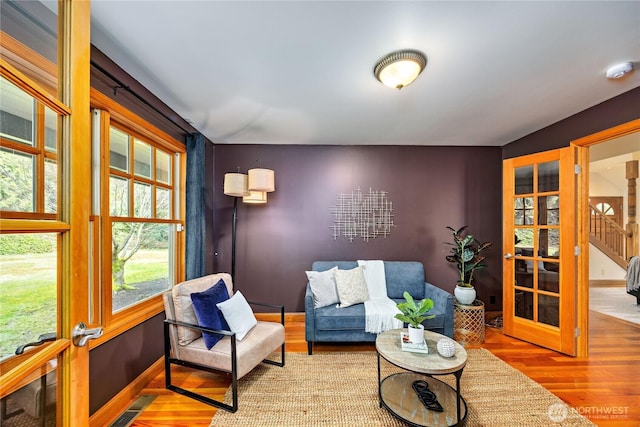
{"x":468,"y":323}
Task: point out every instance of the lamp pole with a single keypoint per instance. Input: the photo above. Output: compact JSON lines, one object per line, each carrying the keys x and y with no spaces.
{"x":237,"y":185}
{"x":233,"y":243}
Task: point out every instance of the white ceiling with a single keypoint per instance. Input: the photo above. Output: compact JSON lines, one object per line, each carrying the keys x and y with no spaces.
{"x":608,"y":159}
{"x":301,"y":72}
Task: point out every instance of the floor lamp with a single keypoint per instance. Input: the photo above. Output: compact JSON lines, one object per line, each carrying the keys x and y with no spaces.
{"x":253,"y":188}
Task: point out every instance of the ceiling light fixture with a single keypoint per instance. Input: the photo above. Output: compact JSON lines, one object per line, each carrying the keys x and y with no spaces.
{"x":619,"y":70}
{"x":400,"y":68}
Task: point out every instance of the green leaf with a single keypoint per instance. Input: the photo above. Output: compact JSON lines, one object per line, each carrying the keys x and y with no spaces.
{"x":412,"y":313}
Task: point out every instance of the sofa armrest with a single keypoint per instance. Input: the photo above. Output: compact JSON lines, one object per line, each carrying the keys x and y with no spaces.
{"x":442,"y":300}
{"x":309,"y":315}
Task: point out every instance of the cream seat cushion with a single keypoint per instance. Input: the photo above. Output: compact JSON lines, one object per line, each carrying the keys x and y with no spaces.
{"x":262,"y":340}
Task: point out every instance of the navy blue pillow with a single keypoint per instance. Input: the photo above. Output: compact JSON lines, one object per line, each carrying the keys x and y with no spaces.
{"x":208,"y":314}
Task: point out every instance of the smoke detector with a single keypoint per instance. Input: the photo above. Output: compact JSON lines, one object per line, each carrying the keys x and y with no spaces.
{"x":619,"y":70}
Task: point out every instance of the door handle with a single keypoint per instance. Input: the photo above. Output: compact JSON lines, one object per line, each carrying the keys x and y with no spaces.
{"x":81,"y":334}
{"x":48,"y":337}
{"x":508,"y":256}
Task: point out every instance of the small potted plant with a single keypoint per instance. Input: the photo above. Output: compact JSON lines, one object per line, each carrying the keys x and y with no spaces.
{"x":466,"y":255}
{"x":414,"y":314}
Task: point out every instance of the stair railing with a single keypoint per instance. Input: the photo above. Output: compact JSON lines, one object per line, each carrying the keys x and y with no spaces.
{"x":608,"y":232}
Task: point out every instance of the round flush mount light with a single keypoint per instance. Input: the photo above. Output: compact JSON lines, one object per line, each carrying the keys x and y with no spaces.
{"x":619,"y":70}
{"x":400,"y":68}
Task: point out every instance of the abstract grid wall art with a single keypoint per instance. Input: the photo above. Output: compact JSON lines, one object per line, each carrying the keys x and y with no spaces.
{"x":366,"y":215}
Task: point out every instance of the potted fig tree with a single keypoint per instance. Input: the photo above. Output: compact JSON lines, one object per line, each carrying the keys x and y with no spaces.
{"x":414,"y":314}
{"x":466,"y":255}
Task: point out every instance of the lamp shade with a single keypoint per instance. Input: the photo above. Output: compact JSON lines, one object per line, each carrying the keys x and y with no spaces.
{"x":255,"y":198}
{"x":235,"y":184}
{"x":400,"y":68}
{"x":261,"y":180}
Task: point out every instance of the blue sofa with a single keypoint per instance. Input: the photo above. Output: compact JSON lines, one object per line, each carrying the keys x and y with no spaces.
{"x":331,"y":324}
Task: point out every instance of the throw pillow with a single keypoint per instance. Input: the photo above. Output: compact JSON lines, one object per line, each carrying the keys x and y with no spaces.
{"x":238,"y":314}
{"x":208,"y":313}
{"x":352,"y":288}
{"x":323,"y":287}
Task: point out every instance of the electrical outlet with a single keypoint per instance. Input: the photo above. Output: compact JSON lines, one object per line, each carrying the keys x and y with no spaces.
{"x":492,"y":299}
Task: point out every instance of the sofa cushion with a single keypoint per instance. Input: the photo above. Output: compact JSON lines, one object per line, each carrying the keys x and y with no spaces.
{"x":323,"y":287}
{"x":353,"y":318}
{"x":404,"y":276}
{"x":332,"y":318}
{"x":352,"y":288}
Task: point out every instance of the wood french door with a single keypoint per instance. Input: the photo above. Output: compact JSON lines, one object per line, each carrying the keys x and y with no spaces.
{"x":59,"y":366}
{"x":539,"y":224}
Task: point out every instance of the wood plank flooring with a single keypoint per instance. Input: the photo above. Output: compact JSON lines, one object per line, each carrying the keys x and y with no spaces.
{"x":604,"y":387}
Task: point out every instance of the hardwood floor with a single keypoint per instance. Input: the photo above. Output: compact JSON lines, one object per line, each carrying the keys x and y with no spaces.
{"x":605,"y":387}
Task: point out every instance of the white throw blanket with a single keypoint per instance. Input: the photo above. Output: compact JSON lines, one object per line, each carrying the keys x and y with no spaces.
{"x":632,"y":276}
{"x":379,"y":309}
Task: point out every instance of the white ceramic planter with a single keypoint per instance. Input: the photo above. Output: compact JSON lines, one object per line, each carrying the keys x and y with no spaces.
{"x":464,"y":295}
{"x":416,"y":335}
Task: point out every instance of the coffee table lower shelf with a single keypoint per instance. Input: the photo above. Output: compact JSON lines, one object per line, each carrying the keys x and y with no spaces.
{"x":397,"y":395}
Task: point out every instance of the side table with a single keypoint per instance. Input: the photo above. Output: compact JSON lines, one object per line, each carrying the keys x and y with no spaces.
{"x":468,"y":323}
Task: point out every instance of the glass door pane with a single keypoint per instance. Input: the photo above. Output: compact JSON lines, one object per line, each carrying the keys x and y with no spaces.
{"x":28,"y":405}
{"x":536,"y":216}
{"x":28,"y":289}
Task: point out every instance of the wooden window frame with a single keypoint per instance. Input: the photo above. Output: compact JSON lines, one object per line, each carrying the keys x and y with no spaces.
{"x":113,"y":114}
{"x":38,"y":150}
{"x":39,"y":81}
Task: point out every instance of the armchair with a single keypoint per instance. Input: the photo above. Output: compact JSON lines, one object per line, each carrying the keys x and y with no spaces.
{"x":184,"y":344}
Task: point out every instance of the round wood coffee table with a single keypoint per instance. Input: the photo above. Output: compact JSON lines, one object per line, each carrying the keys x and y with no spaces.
{"x":396,"y":392}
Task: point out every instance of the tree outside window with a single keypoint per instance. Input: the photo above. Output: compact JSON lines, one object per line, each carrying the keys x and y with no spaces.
{"x":140,"y":200}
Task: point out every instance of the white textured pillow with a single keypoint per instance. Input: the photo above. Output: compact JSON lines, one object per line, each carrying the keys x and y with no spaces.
{"x":323,"y":287}
{"x":352,"y":288}
{"x":238,"y":314}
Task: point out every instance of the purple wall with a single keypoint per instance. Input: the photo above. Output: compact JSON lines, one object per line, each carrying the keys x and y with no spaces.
{"x":430,"y":188}
{"x":116,"y":363}
{"x":616,"y":111}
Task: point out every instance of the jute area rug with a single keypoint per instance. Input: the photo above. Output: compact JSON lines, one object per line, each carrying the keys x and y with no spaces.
{"x":340,"y":389}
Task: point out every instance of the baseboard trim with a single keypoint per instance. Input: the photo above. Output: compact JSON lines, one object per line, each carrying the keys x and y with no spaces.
{"x":121,"y":401}
{"x":607,"y":283}
{"x":275,"y":317}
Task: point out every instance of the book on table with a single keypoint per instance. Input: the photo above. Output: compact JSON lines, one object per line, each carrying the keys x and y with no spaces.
{"x":410,"y":346}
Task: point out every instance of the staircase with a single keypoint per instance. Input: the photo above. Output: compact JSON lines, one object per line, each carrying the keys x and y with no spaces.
{"x":609,"y":237}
